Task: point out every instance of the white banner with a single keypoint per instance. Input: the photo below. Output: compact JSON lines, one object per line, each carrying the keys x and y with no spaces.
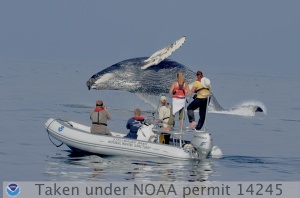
{"x":94,"y":189}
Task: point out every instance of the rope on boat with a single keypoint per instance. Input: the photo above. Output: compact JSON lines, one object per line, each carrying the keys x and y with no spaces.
{"x":49,"y":133}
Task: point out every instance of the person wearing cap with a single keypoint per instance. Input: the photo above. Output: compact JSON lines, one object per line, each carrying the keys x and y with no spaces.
{"x":99,"y":117}
{"x":166,"y":118}
{"x":134,"y":123}
{"x":164,"y":114}
{"x":202,"y":90}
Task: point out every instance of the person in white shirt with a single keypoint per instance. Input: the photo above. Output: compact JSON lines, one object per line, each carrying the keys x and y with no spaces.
{"x":164,"y":113}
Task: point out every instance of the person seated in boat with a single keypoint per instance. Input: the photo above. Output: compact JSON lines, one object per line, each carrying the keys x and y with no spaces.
{"x":99,"y":117}
{"x":179,"y":90}
{"x":202,"y":90}
{"x":134,"y":123}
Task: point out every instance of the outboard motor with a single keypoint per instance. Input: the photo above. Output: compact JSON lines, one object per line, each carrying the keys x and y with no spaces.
{"x":202,"y":142}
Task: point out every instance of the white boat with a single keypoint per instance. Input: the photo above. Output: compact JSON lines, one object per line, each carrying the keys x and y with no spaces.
{"x":79,"y":138}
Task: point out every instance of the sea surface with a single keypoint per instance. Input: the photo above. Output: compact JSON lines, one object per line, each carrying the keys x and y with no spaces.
{"x":263,"y":147}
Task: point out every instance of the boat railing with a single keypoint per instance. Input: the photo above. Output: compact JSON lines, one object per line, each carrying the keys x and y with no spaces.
{"x":177,"y":134}
{"x":177,"y":137}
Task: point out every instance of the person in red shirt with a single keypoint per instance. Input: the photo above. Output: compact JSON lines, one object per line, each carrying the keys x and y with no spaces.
{"x":179,"y":90}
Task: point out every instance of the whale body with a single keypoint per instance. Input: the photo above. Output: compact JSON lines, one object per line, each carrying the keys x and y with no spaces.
{"x":128,"y":75}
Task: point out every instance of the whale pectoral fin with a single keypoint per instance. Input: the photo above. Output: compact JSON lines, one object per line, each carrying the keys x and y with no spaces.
{"x":164,"y":53}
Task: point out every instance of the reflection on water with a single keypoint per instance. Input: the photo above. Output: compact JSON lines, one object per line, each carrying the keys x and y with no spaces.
{"x":67,"y":166}
{"x":71,"y":166}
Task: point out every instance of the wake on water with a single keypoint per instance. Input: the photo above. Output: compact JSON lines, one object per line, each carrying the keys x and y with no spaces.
{"x":247,"y":108}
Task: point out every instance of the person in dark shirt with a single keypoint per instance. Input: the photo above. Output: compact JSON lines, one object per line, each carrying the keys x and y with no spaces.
{"x":134,"y":123}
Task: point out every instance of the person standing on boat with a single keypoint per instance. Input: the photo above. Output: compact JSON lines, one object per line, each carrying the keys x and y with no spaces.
{"x":99,"y":117}
{"x":179,"y":90}
{"x":134,"y":123}
{"x":164,"y":114}
{"x":165,"y":117}
{"x":202,"y":90}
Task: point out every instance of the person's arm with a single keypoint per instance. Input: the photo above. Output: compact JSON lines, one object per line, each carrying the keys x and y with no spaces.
{"x":107,"y":113}
{"x":187,"y":89}
{"x":159,"y":117}
{"x":161,"y":114}
{"x":193,"y":90}
{"x":128,"y":124}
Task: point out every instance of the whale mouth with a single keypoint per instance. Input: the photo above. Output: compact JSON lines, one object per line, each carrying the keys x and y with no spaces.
{"x":91,"y":83}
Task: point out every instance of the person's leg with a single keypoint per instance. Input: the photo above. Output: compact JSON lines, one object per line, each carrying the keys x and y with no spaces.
{"x":190,"y":111}
{"x":202,"y":113}
{"x":167,"y":138}
{"x":171,"y":120}
{"x":108,"y":132}
{"x":181,"y":111}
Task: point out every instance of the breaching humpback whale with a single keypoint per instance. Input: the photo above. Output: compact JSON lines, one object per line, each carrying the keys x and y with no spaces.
{"x":148,"y":75}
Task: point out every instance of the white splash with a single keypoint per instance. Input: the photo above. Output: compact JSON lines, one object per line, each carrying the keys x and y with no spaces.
{"x":246,"y":108}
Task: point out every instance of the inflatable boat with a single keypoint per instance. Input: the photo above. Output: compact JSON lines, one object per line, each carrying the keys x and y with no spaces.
{"x":79,"y":138}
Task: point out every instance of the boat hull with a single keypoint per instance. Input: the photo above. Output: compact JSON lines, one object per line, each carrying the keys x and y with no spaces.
{"x":80,"y":138}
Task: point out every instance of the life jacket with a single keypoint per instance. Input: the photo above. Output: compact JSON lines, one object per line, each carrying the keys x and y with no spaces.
{"x":179,"y":91}
{"x":97,"y":110}
{"x":200,"y":94}
{"x":198,"y":90}
{"x":138,"y":118}
{"x":201,"y":89}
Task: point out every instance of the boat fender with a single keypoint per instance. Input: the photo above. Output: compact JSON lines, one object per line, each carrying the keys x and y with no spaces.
{"x":216,"y":152}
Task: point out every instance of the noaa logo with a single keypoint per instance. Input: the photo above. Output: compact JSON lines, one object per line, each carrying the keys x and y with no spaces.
{"x":13,"y":190}
{"x":60,"y":129}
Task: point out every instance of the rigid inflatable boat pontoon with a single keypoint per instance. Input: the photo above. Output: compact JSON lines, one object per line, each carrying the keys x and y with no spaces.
{"x":79,"y":138}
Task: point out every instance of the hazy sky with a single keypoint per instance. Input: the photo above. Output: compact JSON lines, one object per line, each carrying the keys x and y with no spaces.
{"x":241,"y":34}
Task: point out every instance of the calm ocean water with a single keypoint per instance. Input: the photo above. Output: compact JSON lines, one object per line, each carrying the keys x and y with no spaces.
{"x":260,"y":148}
